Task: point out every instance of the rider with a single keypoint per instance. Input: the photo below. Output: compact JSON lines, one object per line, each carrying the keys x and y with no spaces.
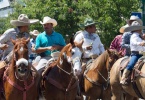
{"x":136,"y":45}
{"x":126,"y":36}
{"x":92,"y":45}
{"x":21,"y":30}
{"x":116,"y":43}
{"x":34,"y":34}
{"x":47,"y":42}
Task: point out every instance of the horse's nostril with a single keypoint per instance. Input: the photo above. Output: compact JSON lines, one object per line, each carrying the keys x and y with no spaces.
{"x":19,"y":70}
{"x":25,"y":70}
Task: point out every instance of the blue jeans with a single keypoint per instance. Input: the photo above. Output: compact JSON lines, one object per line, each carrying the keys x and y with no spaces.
{"x":133,"y":60}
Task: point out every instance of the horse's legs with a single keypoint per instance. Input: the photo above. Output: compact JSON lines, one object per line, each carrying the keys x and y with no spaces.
{"x":129,"y":97}
{"x":135,"y":98}
{"x":117,"y":93}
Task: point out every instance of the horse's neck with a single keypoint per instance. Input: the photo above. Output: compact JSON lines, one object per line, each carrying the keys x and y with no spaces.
{"x":65,"y":70}
{"x":99,"y":68}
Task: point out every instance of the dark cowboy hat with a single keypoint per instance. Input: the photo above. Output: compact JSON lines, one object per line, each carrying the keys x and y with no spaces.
{"x":87,"y":22}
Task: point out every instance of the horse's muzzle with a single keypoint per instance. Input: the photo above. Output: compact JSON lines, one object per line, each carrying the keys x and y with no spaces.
{"x":22,"y":68}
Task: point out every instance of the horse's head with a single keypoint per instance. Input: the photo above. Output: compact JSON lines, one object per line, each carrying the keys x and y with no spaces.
{"x":72,"y":54}
{"x":113,"y":56}
{"x":20,"y":57}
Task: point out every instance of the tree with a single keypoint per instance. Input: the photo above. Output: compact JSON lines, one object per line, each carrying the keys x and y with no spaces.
{"x":110,"y":14}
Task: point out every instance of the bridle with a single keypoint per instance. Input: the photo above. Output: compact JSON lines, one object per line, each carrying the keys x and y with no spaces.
{"x":26,"y":86}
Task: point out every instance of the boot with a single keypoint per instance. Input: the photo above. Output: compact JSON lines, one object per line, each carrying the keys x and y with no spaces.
{"x":124,"y":76}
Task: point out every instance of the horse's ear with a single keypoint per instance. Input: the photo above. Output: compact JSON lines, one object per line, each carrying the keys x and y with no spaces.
{"x":13,"y":41}
{"x":27,"y":40}
{"x":109,"y":51}
{"x":72,"y":40}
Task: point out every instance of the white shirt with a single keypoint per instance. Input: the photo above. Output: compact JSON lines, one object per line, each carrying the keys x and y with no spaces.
{"x":94,"y":40}
{"x":6,"y":37}
{"x":135,"y":40}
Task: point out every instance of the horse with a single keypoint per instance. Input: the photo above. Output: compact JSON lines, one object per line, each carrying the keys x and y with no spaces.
{"x":61,"y":82}
{"x":131,"y":92}
{"x":20,"y":80}
{"x":95,"y":81}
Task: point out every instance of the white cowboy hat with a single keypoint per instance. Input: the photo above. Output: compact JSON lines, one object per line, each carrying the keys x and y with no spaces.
{"x":121,"y":30}
{"x":55,"y":55}
{"x":48,"y":20}
{"x":135,"y":18}
{"x":134,"y":26}
{"x":34,"y":33}
{"x":23,"y":20}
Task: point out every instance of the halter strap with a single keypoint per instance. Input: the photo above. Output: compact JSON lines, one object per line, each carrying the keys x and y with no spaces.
{"x":23,"y":89}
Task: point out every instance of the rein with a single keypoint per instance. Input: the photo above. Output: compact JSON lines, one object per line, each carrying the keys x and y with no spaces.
{"x":65,"y":71}
{"x":105,"y":79}
{"x":23,"y":89}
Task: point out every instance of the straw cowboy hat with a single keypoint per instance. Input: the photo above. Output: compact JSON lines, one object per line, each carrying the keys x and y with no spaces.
{"x":23,"y":20}
{"x":34,"y":32}
{"x":48,"y":20}
{"x":121,"y":30}
{"x":134,"y":26}
{"x":87,"y":22}
{"x":134,"y":18}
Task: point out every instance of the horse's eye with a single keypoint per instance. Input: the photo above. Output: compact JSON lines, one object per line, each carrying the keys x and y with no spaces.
{"x":72,"y":52}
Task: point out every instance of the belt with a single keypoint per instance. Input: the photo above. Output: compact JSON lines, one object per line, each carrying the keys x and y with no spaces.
{"x":135,"y":52}
{"x":86,"y":58}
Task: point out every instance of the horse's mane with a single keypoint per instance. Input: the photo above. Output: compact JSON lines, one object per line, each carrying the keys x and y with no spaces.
{"x":100,"y":61}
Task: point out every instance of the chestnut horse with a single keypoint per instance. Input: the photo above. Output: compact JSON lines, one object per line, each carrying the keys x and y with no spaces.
{"x":61,"y":81}
{"x":95,"y":84}
{"x":20,"y":79}
{"x":118,"y":89}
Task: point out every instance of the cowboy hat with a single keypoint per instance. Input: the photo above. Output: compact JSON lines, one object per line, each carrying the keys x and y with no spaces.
{"x":134,"y":26}
{"x":48,"y":20}
{"x":55,"y":55}
{"x":23,"y":20}
{"x":134,"y":18}
{"x":34,"y":33}
{"x":121,"y":30}
{"x":87,"y":22}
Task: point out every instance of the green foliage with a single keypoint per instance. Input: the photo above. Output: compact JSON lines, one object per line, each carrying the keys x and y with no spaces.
{"x":110,"y":14}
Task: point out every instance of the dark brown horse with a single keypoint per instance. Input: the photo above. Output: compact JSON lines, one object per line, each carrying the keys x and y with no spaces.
{"x":61,"y":82}
{"x":20,"y":79}
{"x":95,"y":83}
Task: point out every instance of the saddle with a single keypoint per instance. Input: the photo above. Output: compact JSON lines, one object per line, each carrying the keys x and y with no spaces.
{"x":136,"y":70}
{"x":48,"y":67}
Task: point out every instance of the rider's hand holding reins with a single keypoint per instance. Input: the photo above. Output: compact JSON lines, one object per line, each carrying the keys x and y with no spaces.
{"x":4,"y":46}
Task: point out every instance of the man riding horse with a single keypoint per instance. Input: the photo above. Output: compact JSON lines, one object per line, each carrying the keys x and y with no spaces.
{"x":92,"y":45}
{"x":21,"y":30}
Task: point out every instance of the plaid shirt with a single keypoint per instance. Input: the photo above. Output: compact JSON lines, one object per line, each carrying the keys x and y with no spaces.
{"x":126,"y":42}
{"x":116,"y":44}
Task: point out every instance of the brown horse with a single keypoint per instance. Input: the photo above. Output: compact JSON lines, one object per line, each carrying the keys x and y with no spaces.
{"x":20,"y":79}
{"x":61,"y":81}
{"x":95,"y":83}
{"x":118,"y":89}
